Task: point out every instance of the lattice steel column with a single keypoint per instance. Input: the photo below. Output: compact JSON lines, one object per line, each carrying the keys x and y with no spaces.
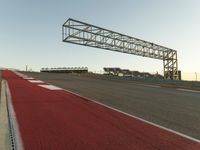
{"x":170,"y":63}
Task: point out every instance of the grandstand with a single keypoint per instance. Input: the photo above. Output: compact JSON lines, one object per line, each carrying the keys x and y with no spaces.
{"x":129,"y":73}
{"x":65,"y":70}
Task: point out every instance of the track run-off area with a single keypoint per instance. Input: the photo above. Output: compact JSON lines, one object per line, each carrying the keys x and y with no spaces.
{"x":46,"y":117}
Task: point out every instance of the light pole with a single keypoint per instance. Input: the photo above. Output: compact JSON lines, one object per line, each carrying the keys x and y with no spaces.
{"x":196,"y":75}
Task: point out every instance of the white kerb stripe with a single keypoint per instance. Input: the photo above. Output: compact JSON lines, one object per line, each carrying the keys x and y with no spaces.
{"x":35,"y":81}
{"x":20,"y":74}
{"x":51,"y":87}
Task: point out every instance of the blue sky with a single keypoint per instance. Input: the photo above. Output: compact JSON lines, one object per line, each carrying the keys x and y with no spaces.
{"x":30,"y":32}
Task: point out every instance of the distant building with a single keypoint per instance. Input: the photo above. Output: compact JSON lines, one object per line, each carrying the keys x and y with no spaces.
{"x":129,"y":73}
{"x":112,"y":71}
{"x":65,"y":70}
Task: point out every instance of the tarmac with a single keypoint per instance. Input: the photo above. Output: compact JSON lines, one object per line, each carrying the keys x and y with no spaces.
{"x":168,"y":107}
{"x":46,"y":117}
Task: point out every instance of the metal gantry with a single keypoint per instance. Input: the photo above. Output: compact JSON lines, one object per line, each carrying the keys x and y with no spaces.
{"x":77,"y":32}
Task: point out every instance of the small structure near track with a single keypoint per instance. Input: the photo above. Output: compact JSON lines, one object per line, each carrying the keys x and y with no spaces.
{"x":129,"y":73}
{"x":65,"y":70}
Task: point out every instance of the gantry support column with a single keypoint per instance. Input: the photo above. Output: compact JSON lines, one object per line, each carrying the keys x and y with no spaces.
{"x":170,"y":65}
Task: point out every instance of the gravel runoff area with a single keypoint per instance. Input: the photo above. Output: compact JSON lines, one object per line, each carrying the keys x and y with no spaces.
{"x":168,"y":107}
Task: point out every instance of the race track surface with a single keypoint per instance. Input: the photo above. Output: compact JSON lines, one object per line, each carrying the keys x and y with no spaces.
{"x":177,"y":110}
{"x":59,"y":120}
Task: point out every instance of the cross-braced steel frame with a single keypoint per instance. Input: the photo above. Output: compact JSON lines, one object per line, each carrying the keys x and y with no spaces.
{"x":77,"y":32}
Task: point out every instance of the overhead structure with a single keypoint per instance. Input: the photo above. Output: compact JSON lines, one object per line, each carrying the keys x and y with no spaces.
{"x":77,"y":32}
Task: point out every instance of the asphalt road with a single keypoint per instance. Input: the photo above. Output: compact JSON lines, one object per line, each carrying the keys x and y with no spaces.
{"x":177,"y":110}
{"x":55,"y":119}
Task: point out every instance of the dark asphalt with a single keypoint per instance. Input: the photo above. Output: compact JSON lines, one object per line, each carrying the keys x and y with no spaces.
{"x":170,"y":108}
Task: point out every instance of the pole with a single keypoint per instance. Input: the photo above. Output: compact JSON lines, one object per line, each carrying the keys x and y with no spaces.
{"x":196,"y":75}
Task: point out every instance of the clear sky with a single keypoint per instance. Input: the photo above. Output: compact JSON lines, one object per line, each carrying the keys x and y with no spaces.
{"x":30,"y":32}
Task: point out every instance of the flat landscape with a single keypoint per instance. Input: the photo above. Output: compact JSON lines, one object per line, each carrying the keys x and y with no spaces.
{"x":168,"y":107}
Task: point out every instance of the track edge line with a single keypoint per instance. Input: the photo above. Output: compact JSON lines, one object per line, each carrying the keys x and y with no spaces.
{"x":15,"y":132}
{"x":138,"y":118}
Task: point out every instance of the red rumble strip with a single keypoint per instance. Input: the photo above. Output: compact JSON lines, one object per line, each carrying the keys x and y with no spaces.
{"x":58,"y":120}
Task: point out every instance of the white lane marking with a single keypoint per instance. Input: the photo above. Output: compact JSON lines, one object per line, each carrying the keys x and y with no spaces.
{"x":13,"y":120}
{"x":135,"y":117}
{"x":187,"y":90}
{"x":51,"y":87}
{"x":35,"y":81}
{"x":147,"y":85}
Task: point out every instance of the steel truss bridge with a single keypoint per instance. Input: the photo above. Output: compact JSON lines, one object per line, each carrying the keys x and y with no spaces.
{"x":77,"y":32}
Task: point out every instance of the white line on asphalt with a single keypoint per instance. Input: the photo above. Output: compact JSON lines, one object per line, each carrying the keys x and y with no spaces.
{"x":145,"y":121}
{"x":147,"y":85}
{"x":187,"y":90}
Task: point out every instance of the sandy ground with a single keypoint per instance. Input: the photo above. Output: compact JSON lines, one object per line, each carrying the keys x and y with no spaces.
{"x":4,"y":130}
